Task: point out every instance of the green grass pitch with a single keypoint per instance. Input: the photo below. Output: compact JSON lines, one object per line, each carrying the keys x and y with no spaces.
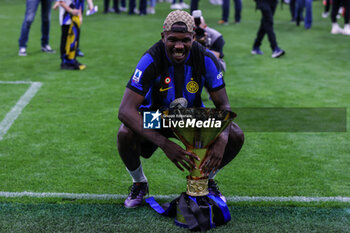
{"x":64,"y":140}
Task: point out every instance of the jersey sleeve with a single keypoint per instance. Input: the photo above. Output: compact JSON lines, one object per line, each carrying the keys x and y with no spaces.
{"x":214,"y":77}
{"x":143,"y":75}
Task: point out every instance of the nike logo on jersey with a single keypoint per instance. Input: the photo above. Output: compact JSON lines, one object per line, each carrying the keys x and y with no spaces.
{"x":164,"y":89}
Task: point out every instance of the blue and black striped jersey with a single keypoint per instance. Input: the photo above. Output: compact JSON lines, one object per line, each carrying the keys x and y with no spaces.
{"x":160,"y":81}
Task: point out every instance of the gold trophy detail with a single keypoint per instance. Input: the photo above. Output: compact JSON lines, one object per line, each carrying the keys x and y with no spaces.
{"x":197,"y":129}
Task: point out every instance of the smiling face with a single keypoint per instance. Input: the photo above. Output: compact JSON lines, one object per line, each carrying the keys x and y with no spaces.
{"x":177,"y":44}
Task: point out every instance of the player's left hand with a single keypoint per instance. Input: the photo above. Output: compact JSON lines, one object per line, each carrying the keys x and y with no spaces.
{"x":214,"y":155}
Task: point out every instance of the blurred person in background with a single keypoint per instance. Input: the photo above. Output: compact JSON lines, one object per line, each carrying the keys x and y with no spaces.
{"x":115,"y":8}
{"x":209,"y":37}
{"x":91,"y":7}
{"x":151,"y":7}
{"x":122,"y":7}
{"x":194,"y":5}
{"x":31,"y":8}
{"x":216,"y":2}
{"x":327,"y":6}
{"x":299,"y":8}
{"x":336,"y":29}
{"x":80,"y":4}
{"x":292,"y":9}
{"x":70,"y":17}
{"x":142,"y":7}
{"x":267,"y":8}
{"x":226,"y":11}
{"x":179,"y":6}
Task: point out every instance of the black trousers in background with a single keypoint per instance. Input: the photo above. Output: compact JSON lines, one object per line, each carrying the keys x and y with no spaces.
{"x":327,"y":6}
{"x":267,"y":8}
{"x":292,"y":9}
{"x":194,"y":5}
{"x":142,"y":7}
{"x":335,"y":8}
{"x":64,"y":37}
{"x":115,"y":6}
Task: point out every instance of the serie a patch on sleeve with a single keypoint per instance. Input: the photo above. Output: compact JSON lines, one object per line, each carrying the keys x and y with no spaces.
{"x":136,"y":79}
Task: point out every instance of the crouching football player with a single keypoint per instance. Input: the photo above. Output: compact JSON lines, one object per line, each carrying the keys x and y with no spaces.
{"x":174,"y":67}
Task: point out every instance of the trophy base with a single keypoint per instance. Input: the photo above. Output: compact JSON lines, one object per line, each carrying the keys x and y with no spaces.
{"x":197,"y":187}
{"x":205,"y":209}
{"x":200,"y":213}
{"x":195,"y":213}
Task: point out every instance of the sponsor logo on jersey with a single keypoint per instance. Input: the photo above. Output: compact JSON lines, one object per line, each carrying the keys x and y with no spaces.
{"x":220,"y":75}
{"x":164,"y":89}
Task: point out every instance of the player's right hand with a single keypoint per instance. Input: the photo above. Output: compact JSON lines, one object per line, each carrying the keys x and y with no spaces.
{"x":75,"y":12}
{"x":56,"y":5}
{"x":180,"y":157}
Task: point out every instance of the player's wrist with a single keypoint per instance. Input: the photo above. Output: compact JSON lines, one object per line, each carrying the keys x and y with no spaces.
{"x":163,"y":142}
{"x":223,"y":137}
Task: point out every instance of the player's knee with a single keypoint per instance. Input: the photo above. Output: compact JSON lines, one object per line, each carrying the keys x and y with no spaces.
{"x":234,"y":145}
{"x":237,"y":135}
{"x":125,"y":135}
{"x":240,"y":137}
{"x":29,"y":18}
{"x":29,"y":22}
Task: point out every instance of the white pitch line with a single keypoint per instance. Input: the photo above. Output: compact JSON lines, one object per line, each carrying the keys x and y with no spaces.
{"x":16,"y":82}
{"x":87,"y":196}
{"x":12,"y":115}
{"x":288,"y":199}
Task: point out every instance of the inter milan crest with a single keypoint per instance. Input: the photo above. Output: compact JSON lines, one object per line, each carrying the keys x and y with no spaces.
{"x":192,"y":86}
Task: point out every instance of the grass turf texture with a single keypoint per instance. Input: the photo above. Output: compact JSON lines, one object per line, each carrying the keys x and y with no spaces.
{"x":64,"y":140}
{"x":112,"y":218}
